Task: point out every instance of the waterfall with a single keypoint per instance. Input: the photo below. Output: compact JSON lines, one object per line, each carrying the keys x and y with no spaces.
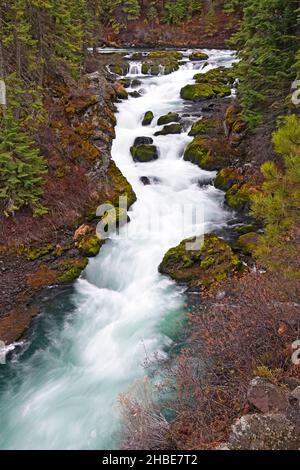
{"x":60,"y":390}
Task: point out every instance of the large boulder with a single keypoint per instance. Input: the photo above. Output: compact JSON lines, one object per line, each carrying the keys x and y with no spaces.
{"x":264,"y":432}
{"x":144,"y":153}
{"x":201,"y":266}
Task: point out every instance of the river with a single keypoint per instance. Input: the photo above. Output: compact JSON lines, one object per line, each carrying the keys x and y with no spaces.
{"x":60,"y":389}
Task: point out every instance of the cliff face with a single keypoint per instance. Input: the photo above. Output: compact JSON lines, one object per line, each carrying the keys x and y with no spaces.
{"x":53,"y":249}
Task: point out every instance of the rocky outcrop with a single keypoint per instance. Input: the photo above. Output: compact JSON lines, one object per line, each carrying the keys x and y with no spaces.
{"x":275,"y":423}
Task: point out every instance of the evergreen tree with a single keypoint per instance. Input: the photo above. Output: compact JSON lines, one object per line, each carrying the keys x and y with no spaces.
{"x":278,"y":203}
{"x":21,"y":169}
{"x":267,"y":46}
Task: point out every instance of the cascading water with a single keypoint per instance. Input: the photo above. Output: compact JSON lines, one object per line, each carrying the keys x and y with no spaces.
{"x":60,"y":391}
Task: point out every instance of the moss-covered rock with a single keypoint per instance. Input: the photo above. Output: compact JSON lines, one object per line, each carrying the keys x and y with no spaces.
{"x":227,"y":177}
{"x":234,"y":120}
{"x":135,"y":94}
{"x":71,"y":269}
{"x":170,"y":55}
{"x":119,"y":69}
{"x":148,"y":118}
{"x":238,"y":197}
{"x":170,"y":129}
{"x":247,"y":243}
{"x":198,"y":56}
{"x":202,"y":267}
{"x":217,"y":76}
{"x":168,"y":118}
{"x":144,"y":153}
{"x":126,"y":82}
{"x":90,"y":246}
{"x":200,"y":152}
{"x":119,"y":186}
{"x":200,"y":92}
{"x":203,"y":126}
{"x":170,"y":67}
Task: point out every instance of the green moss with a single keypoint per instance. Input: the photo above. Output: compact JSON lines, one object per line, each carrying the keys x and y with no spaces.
{"x":148,"y":118}
{"x":213,"y":77}
{"x":202,"y":267}
{"x":90,"y":246}
{"x":238,"y":197}
{"x":247,"y":243}
{"x":71,"y":269}
{"x":174,"y":55}
{"x":227,"y":177}
{"x":170,"y":67}
{"x":168,"y":118}
{"x":170,"y":129}
{"x":35,"y":253}
{"x":198,"y":153}
{"x":234,"y":120}
{"x":119,"y":69}
{"x":144,"y":153}
{"x":204,"y":91}
{"x":119,"y":186}
{"x":203,"y":126}
{"x":197,"y":56}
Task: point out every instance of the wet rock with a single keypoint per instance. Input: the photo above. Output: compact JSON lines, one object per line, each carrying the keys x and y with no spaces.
{"x":168,"y":118}
{"x":149,"y":180}
{"x":145,"y":180}
{"x":170,"y":129}
{"x":266,"y":397}
{"x":148,"y":118}
{"x":144,"y":153}
{"x":264,"y":432}
{"x":143,"y":141}
{"x":135,"y":94}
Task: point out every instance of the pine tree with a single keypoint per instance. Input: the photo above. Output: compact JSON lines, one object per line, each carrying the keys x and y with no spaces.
{"x":278,"y":203}
{"x":21,"y":169}
{"x":267,"y":46}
